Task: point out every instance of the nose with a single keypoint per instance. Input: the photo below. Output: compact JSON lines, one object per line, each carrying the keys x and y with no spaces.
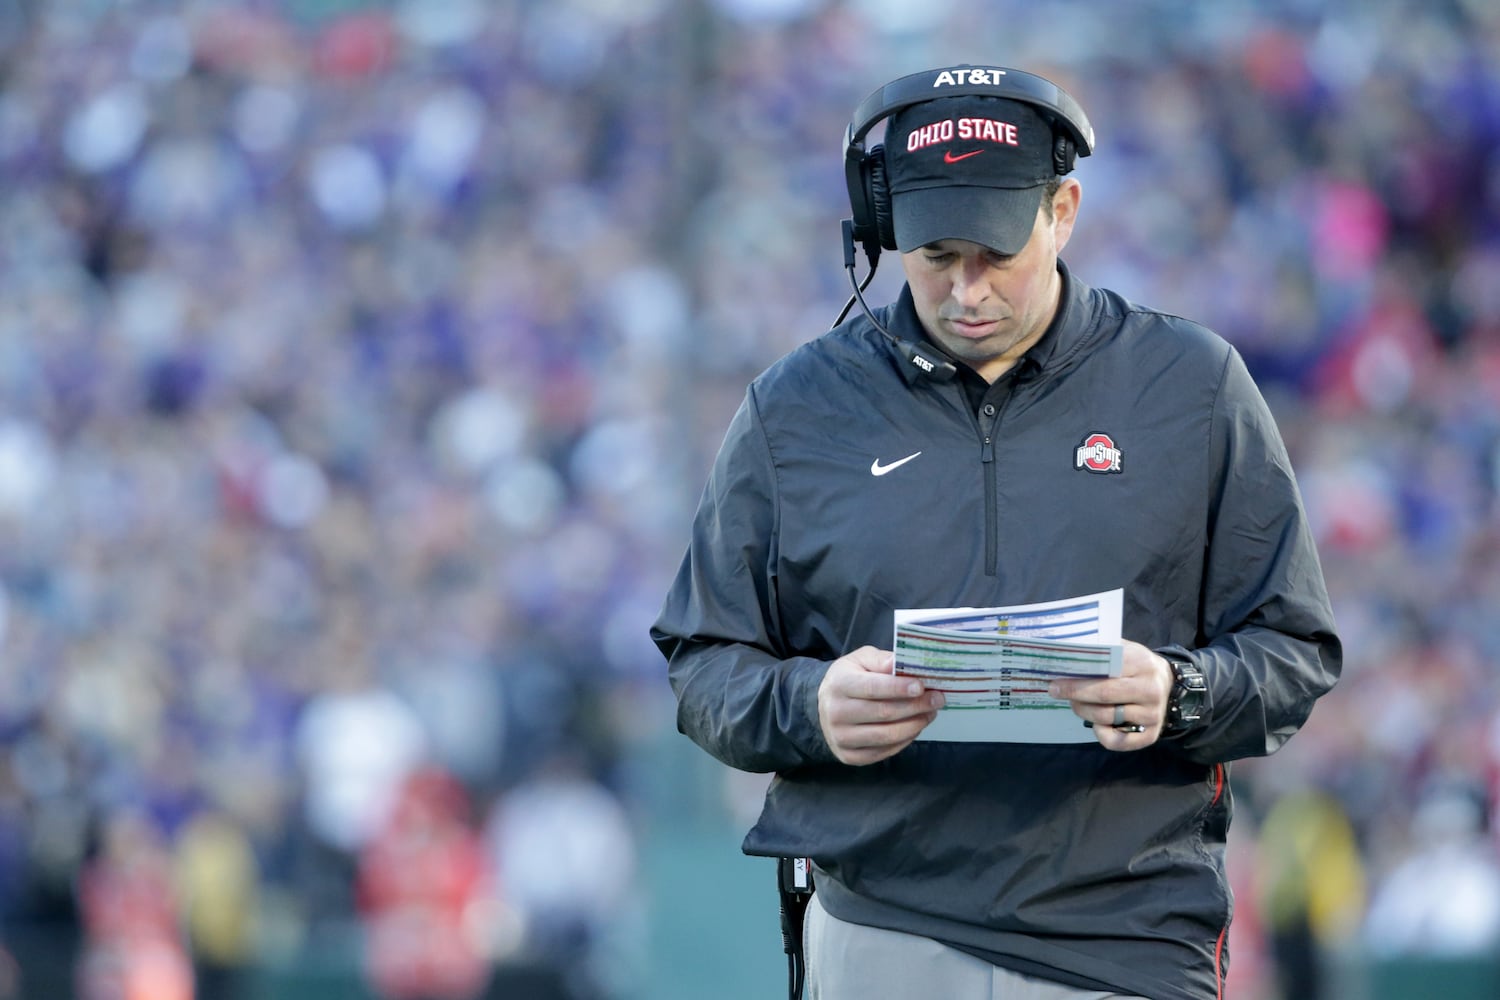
{"x":970,"y":286}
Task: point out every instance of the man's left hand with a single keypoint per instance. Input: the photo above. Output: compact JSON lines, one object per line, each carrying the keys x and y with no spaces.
{"x":1118,"y":706}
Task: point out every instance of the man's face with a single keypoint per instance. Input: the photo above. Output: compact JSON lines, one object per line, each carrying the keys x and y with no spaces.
{"x":983,"y":307}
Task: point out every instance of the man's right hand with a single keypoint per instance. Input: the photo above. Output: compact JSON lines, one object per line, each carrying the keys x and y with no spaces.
{"x":867,"y":712}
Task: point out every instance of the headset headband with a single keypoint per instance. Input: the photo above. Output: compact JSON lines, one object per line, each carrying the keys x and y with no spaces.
{"x":972,"y":81}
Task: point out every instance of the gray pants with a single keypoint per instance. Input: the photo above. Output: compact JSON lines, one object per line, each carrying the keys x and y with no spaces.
{"x":852,"y":962}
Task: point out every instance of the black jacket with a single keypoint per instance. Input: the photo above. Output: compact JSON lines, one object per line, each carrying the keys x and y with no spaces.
{"x":1073,"y":862}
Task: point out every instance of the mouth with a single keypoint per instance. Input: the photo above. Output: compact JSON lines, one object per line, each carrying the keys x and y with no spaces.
{"x":973,"y":329}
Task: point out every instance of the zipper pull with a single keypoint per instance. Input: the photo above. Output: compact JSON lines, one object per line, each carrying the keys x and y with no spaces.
{"x":987,"y":452}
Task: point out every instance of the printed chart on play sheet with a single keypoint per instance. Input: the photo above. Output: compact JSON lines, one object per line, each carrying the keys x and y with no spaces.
{"x":993,"y":665}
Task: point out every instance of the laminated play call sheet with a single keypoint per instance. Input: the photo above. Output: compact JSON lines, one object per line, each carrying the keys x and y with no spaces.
{"x":993,"y":665}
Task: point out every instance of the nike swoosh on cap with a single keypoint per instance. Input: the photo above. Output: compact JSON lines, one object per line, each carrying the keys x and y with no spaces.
{"x":948,"y":156}
{"x":876,"y":469}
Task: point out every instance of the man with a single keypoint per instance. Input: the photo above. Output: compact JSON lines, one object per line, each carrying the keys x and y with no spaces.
{"x":1083,"y":444}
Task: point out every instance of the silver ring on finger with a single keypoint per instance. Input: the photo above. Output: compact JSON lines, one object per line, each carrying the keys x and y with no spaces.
{"x":1119,"y":716}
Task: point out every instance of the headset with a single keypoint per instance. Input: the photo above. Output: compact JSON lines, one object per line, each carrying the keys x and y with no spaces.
{"x":864,"y":171}
{"x":870,"y":224}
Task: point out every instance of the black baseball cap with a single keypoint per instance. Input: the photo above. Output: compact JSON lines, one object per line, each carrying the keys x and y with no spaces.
{"x":967,"y":168}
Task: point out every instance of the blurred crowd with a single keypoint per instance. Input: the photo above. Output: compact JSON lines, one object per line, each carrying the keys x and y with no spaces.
{"x":360,"y":364}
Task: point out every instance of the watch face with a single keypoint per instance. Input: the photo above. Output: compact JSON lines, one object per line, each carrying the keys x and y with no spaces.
{"x":1188,"y":694}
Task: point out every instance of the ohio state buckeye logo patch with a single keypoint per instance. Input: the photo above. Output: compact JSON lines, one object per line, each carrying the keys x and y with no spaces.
{"x":1097,"y":453}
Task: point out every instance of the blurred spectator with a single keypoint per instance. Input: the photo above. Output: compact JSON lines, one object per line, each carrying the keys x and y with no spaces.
{"x":1310,"y":888}
{"x":1444,"y":898}
{"x":133,"y":949}
{"x":218,"y":882}
{"x":564,"y":850}
{"x":423,"y":885}
{"x":358,"y":744}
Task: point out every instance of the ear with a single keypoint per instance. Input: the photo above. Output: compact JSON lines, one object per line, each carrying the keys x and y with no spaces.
{"x":1065,"y":210}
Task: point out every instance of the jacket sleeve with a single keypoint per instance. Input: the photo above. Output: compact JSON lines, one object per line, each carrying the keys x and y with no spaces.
{"x":739,"y":696}
{"x":1268,"y":646}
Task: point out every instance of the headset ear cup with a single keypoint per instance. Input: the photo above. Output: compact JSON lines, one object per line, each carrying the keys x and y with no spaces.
{"x":878,"y":196}
{"x":856,"y":171}
{"x":1063,"y":154}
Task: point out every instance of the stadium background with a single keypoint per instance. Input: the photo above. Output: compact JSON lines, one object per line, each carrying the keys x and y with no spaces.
{"x":360,"y":364}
